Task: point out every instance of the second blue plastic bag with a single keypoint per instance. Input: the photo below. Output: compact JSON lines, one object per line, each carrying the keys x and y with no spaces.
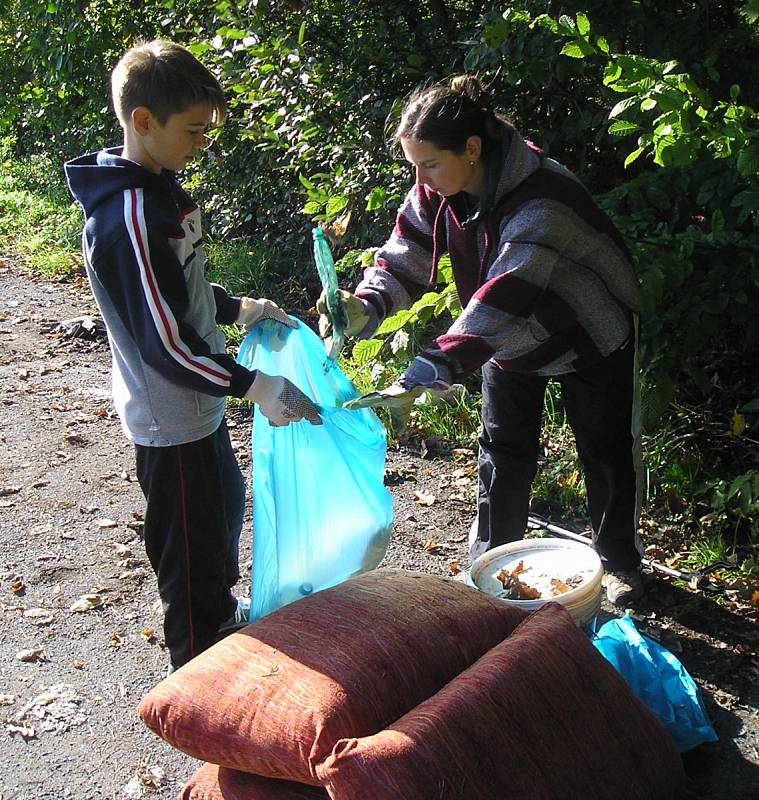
{"x":321,"y":512}
{"x":657,"y":678}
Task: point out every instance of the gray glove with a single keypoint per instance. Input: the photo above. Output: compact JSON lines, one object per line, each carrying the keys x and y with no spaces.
{"x":254,"y":311}
{"x":361,"y":315}
{"x":281,"y":401}
{"x":429,"y":374}
{"x":421,"y":376}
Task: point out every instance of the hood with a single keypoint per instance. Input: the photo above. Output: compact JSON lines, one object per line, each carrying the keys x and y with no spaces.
{"x":96,"y":177}
{"x":512,"y":160}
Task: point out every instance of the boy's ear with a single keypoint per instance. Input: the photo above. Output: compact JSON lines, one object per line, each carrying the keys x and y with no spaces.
{"x":141,"y":120}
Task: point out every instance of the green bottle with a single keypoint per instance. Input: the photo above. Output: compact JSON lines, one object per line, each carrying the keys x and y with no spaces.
{"x":325,"y":266}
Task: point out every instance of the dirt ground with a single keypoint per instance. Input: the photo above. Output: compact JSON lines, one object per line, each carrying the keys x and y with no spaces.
{"x":80,"y":632}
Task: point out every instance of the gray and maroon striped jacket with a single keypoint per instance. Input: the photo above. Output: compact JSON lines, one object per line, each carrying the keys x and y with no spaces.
{"x":544,"y":279}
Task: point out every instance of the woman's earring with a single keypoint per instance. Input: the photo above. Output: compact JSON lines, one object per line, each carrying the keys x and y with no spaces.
{"x":471,"y":163}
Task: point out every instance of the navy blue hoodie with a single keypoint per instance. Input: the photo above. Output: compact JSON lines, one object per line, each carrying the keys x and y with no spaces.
{"x":143,"y":250}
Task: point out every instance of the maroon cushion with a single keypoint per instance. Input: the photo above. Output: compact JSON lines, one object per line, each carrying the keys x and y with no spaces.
{"x":274,"y":698}
{"x":211,"y":782}
{"x":542,"y":715}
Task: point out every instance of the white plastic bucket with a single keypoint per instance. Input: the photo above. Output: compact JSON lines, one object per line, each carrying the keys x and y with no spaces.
{"x":544,"y":559}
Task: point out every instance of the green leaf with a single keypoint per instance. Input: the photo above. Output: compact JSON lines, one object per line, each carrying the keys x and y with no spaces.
{"x":602,"y":44}
{"x":366,"y":350}
{"x":376,"y":198}
{"x":622,"y":127}
{"x":567,"y":25}
{"x":748,"y":160}
{"x":621,"y":106}
{"x":577,"y":49}
{"x":336,"y":205}
{"x":396,"y":322}
{"x":583,"y":24}
{"x":635,"y":153}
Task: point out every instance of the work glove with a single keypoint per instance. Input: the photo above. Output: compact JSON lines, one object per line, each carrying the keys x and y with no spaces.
{"x":281,"y":401}
{"x":361,"y":316}
{"x":254,"y":311}
{"x":422,"y":376}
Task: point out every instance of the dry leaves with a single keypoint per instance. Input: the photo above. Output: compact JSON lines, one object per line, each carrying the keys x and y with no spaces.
{"x":424,"y":498}
{"x":514,"y":588}
{"x":34,"y":656}
{"x":87,"y":602}
{"x":39,"y":616}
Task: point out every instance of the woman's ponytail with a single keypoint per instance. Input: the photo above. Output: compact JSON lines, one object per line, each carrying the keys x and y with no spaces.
{"x":447,"y":115}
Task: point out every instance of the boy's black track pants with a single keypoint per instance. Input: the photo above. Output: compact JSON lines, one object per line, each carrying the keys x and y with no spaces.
{"x":195,"y":497}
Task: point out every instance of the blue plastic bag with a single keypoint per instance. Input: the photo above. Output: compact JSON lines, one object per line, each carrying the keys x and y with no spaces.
{"x":321,"y":512}
{"x":657,"y":678}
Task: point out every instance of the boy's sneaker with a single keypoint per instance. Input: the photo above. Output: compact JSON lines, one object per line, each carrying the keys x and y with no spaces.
{"x":170,"y":670}
{"x":240,"y":618}
{"x":623,"y":586}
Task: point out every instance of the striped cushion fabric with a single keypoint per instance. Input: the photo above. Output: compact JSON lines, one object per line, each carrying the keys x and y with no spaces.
{"x":211,"y":782}
{"x":542,"y":715}
{"x":274,"y":698}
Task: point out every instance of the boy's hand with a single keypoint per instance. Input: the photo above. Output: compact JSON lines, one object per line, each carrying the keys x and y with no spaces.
{"x":361,"y":317}
{"x":281,"y":401}
{"x":253,"y":311}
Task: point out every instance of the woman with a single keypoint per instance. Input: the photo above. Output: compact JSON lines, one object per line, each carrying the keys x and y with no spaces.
{"x":547,"y":290}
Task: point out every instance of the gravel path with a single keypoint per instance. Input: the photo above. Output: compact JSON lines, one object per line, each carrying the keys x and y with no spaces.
{"x":70,"y":511}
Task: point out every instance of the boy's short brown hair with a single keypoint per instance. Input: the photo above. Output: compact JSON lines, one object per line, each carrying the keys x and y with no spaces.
{"x":167,"y":79}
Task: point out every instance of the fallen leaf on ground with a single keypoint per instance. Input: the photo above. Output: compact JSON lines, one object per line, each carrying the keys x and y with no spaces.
{"x":75,"y":438}
{"x":106,"y":523}
{"x":7,"y":699}
{"x":32,"y":656}
{"x":6,"y":490}
{"x":20,"y":729}
{"x":454,"y":567}
{"x":424,"y":498}
{"x":87,"y":602}
{"x":39,"y":616}
{"x":431,"y":546}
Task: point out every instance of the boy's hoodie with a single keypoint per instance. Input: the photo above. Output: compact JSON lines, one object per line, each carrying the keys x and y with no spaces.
{"x":142,"y":245}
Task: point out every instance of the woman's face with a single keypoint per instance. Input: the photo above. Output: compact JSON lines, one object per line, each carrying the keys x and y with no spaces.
{"x":444,"y":171}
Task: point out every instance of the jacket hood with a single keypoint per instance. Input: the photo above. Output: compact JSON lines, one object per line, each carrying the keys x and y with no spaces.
{"x":512,"y":160}
{"x":94,"y":178}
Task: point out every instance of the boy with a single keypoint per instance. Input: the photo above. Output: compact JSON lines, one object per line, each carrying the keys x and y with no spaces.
{"x":142,"y":245}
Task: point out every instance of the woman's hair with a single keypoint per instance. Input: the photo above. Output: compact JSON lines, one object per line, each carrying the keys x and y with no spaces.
{"x":447,"y":115}
{"x":165,"y":78}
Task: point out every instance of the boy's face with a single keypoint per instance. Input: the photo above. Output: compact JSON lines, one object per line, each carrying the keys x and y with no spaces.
{"x":173,"y":145}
